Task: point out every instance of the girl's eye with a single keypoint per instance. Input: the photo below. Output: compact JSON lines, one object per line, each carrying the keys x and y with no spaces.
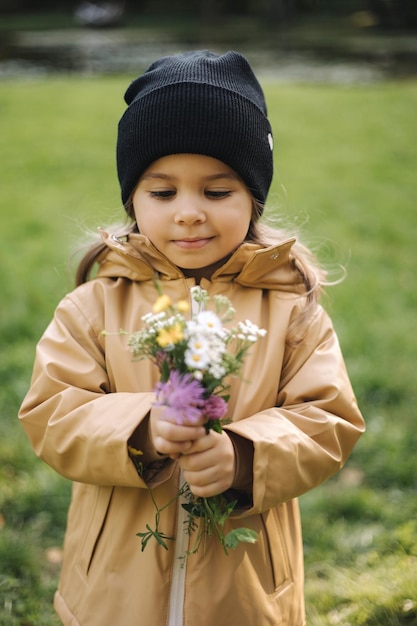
{"x":217,"y":194}
{"x":165,"y":194}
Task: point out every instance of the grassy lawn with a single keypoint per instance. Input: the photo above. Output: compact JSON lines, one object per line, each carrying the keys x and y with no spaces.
{"x":346,"y":162}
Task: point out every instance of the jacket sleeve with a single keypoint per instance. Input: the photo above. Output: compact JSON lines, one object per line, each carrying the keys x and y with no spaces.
{"x":72,"y":420}
{"x":309,"y":434}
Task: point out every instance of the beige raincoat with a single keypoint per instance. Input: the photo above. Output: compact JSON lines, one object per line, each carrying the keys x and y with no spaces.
{"x":294,"y":405}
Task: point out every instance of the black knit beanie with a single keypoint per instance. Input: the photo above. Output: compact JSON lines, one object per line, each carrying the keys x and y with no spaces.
{"x":197,"y":103}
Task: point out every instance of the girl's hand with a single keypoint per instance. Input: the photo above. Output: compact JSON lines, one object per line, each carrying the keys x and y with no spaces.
{"x":169,"y":438}
{"x":209,"y":464}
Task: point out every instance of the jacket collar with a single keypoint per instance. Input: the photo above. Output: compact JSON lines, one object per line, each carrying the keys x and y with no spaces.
{"x":251,"y":265}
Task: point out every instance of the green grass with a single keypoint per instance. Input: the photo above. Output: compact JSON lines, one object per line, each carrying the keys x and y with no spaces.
{"x":346,"y":159}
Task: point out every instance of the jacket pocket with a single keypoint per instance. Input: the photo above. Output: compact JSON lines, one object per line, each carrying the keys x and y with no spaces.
{"x":277,"y":550}
{"x":95,"y":525}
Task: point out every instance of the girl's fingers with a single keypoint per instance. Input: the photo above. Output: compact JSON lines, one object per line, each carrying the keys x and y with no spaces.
{"x":209,"y":465}
{"x":173,"y":432}
{"x":169,"y":438}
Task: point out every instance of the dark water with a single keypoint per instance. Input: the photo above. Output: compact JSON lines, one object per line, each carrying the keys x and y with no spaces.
{"x":85,"y":51}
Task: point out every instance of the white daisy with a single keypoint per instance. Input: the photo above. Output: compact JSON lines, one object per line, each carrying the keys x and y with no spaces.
{"x":197,"y":354}
{"x":209,"y":322}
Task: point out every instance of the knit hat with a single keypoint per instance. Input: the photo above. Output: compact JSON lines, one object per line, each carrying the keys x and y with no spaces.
{"x":197,"y":103}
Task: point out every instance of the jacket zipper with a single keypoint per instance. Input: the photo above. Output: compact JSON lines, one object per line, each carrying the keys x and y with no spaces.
{"x":177,"y":592}
{"x":179,"y":570}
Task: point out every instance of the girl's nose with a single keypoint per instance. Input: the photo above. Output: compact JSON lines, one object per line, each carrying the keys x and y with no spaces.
{"x":189,"y":212}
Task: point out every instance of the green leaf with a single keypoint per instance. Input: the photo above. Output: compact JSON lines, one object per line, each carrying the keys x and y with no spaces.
{"x":160,"y":539}
{"x":215,"y":425}
{"x":244,"y":535}
{"x":193,"y":508}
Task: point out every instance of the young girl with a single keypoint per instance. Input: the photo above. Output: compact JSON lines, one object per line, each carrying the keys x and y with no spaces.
{"x":194,"y":157}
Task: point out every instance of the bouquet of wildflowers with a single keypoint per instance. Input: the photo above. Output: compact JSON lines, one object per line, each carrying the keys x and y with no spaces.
{"x":195,"y":356}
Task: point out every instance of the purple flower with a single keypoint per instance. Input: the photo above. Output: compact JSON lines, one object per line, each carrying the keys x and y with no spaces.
{"x":215,"y":407}
{"x":183,"y":396}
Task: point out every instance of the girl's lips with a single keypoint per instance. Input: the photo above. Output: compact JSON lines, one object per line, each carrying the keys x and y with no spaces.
{"x":190,"y":244}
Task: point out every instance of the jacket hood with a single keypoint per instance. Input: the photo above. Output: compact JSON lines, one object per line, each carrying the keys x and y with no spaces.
{"x":252,"y":265}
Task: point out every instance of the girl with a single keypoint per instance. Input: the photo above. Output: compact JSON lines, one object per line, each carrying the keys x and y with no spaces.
{"x":194,"y":157}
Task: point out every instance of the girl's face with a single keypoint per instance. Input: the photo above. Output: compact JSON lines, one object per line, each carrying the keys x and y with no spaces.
{"x":194,"y":209}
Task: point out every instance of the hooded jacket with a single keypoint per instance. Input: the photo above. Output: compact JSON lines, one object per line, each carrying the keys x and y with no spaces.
{"x":294,"y":406}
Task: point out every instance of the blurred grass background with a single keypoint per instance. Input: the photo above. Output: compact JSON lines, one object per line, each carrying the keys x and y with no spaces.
{"x":346,"y":162}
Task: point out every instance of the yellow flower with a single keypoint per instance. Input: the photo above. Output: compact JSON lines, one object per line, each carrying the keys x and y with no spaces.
{"x":134,"y":451}
{"x":162,"y":303}
{"x":183,"y":306}
{"x":168,"y":336}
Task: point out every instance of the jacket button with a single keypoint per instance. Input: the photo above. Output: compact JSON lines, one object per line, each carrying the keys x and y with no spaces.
{"x":274,"y":256}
